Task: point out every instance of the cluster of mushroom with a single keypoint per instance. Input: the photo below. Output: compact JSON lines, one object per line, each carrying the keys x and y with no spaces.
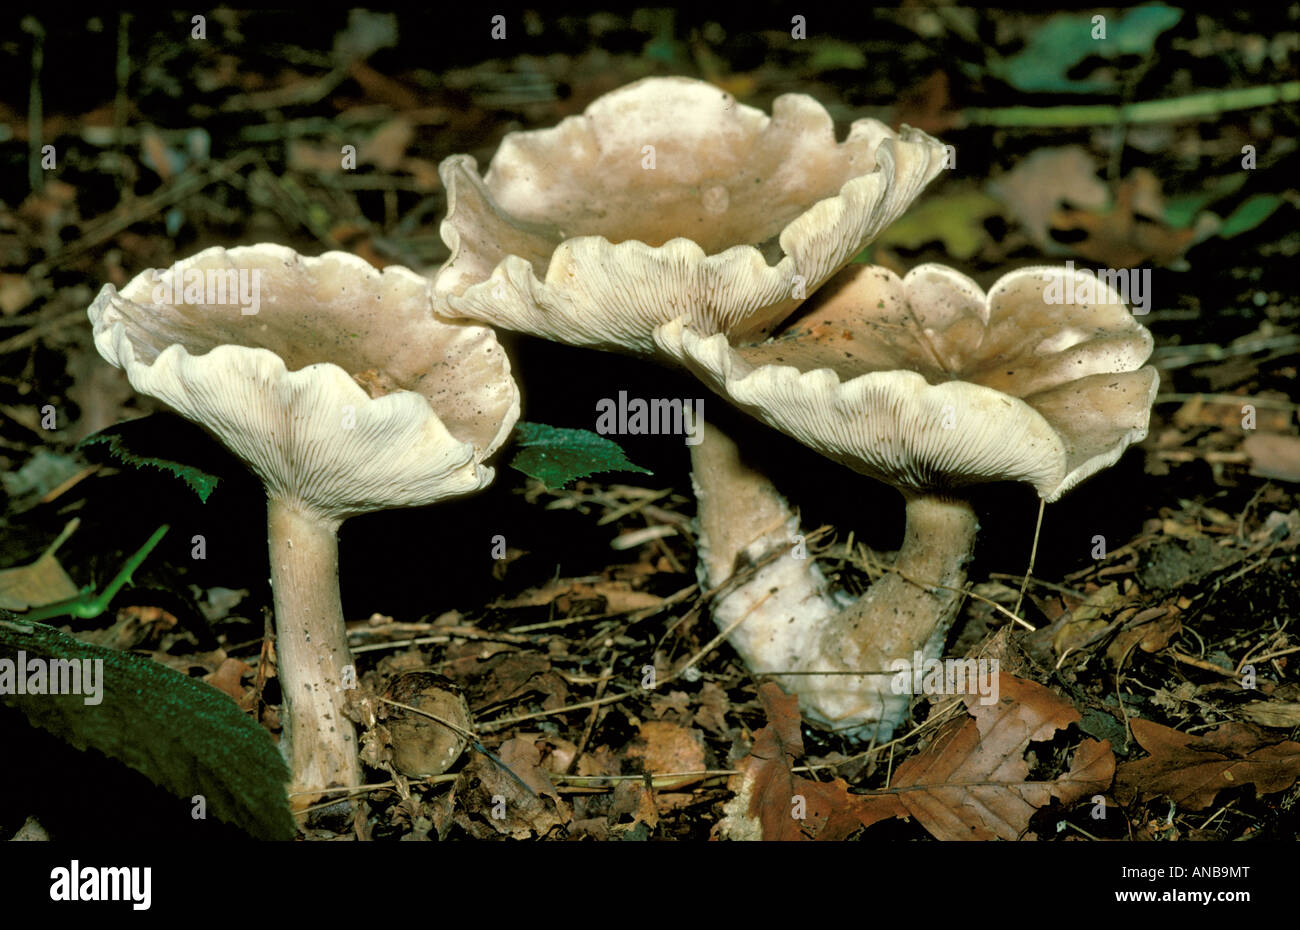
{"x":671,"y":222}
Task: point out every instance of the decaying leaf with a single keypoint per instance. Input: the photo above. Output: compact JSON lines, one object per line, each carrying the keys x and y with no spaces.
{"x":771,"y":802}
{"x":494,"y":802}
{"x":228,"y":677}
{"x":40,"y":582}
{"x":1191,"y":769}
{"x":567,"y":594}
{"x":1132,"y":232}
{"x":664,"y":747}
{"x":1274,"y":456}
{"x":633,"y":805}
{"x":1046,"y":180}
{"x":504,"y":678}
{"x":1281,"y":714}
{"x":1151,"y":630}
{"x":971,"y":781}
{"x":956,"y":221}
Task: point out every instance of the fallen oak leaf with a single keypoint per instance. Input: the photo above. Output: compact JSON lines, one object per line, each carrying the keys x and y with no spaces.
{"x":1191,"y":770}
{"x":1046,"y":180}
{"x":1131,"y":232}
{"x":999,"y":807}
{"x":971,"y":781}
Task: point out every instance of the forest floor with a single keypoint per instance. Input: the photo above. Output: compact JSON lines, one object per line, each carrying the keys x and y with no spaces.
{"x":1155,"y":653}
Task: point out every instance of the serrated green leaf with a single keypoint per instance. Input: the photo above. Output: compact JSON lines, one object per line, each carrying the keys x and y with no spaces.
{"x":555,"y":456}
{"x":182,"y":734}
{"x":118,"y":440}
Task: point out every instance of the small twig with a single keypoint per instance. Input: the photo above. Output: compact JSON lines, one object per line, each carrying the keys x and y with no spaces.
{"x":1271,"y":403}
{"x":1192,"y":106}
{"x":590,"y":728}
{"x":35,"y":128}
{"x":1270,"y":656}
{"x":1202,"y":664}
{"x":1033,"y":554}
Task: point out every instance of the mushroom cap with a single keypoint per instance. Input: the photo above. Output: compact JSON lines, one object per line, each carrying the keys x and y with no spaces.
{"x":572,"y":235}
{"x":928,"y":384}
{"x":343,"y":391}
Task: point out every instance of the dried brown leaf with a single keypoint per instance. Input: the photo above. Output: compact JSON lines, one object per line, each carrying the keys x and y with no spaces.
{"x":494,"y":801}
{"x":971,"y":781}
{"x":1125,"y":236}
{"x":1149,"y":631}
{"x":771,"y":802}
{"x":35,"y":584}
{"x":1191,"y":770}
{"x":664,"y":747}
{"x":1274,"y":456}
{"x":1044,"y":181}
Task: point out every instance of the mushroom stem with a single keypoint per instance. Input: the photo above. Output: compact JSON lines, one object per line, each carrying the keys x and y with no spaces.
{"x":740,"y":513}
{"x":908,"y":610}
{"x":312,"y":651}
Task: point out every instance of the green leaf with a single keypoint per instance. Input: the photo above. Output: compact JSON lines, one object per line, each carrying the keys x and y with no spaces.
{"x":1180,"y":212}
{"x":182,"y":734}
{"x":556,"y":456}
{"x":835,"y":54}
{"x":1253,"y":211}
{"x":122,"y":438}
{"x":1066,"y":39}
{"x":957,"y":221}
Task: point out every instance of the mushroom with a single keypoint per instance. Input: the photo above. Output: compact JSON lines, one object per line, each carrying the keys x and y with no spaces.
{"x":930,"y":385}
{"x":345,"y":394}
{"x":667,"y":197}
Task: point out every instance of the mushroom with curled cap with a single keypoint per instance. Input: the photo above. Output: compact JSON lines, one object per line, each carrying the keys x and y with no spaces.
{"x":668,"y":197}
{"x":342,"y":390}
{"x":930,"y":385}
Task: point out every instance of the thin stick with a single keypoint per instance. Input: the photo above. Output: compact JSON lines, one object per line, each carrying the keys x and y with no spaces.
{"x":1033,"y":554}
{"x":1192,"y":106}
{"x":35,"y":128}
{"x":1202,"y":664}
{"x":1271,"y":403}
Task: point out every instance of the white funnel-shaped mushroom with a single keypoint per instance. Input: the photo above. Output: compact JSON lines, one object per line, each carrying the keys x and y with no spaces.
{"x":667,"y":197}
{"x":337,"y":385}
{"x":929,"y":385}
